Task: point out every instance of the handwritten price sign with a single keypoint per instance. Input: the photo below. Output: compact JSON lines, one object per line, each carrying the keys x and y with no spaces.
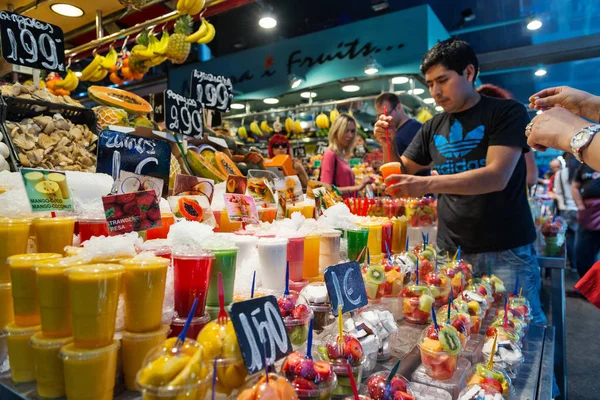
{"x":183,"y":115}
{"x":32,"y":43}
{"x":212,"y":91}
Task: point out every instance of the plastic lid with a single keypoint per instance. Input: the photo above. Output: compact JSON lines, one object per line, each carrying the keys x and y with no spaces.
{"x":28,"y":260}
{"x":49,"y":265}
{"x":70,"y":352}
{"x":5,"y":221}
{"x":195,"y":321}
{"x":13,"y":330}
{"x":54,"y":220}
{"x":139,"y":337}
{"x":331,"y":234}
{"x":43,"y":342}
{"x":5,"y":286}
{"x":145,"y":262}
{"x":94,"y":270}
{"x":276,"y":241}
{"x":189,"y":254}
{"x":244,"y":239}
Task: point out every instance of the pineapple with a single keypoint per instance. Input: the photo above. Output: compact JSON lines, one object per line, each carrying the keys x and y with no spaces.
{"x":178,"y":49}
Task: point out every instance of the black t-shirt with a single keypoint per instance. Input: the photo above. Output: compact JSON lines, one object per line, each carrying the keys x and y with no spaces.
{"x":457,"y":143}
{"x":590,"y":182}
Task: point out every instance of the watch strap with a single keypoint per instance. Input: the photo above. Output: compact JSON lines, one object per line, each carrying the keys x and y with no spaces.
{"x":578,"y":151}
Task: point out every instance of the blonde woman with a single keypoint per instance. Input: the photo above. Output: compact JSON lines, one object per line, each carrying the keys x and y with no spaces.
{"x":335,"y":169}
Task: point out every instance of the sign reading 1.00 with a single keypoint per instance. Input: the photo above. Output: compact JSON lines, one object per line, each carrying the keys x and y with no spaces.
{"x":183,"y":115}
{"x":212,"y":91}
{"x":32,"y":43}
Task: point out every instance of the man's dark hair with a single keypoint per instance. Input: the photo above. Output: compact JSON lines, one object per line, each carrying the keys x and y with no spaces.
{"x":389,"y":97}
{"x":454,"y":54}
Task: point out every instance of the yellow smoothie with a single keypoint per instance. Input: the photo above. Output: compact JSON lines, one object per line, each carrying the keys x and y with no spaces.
{"x":7,"y":313}
{"x":135,"y":348}
{"x":227,"y":226}
{"x":144,"y":284}
{"x":49,"y":374}
{"x":53,"y":234}
{"x":308,"y":210}
{"x":312,"y":249}
{"x":93,"y":298}
{"x":90,"y":374}
{"x":375,"y":237}
{"x":24,"y":288}
{"x":20,"y":353}
{"x":399,"y":234}
{"x":290,"y":209}
{"x":14,"y":234}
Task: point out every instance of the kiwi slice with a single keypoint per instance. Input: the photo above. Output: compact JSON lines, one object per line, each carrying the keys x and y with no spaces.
{"x":376,"y":274}
{"x":412,"y":257}
{"x":449,"y":340}
{"x":427,"y":254}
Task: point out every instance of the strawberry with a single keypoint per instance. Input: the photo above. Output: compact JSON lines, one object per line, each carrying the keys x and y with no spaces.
{"x":154,"y":213}
{"x":145,"y":225}
{"x":125,"y":198}
{"x":482,"y":291}
{"x":306,"y":369}
{"x":300,"y":311}
{"x":353,"y":349}
{"x":131,"y":208}
{"x":109,"y":199}
{"x":303,"y":385}
{"x":403,"y":396}
{"x":432,"y":333}
{"x":491,"y":331}
{"x":376,"y":386}
{"x":145,"y":200}
{"x":323,"y":371}
{"x":433,"y":279}
{"x":332,"y":351}
{"x":397,"y":385}
{"x":117,"y":212}
{"x":291,"y":362}
{"x":286,"y":306}
{"x":493,"y":383}
{"x":385,"y":289}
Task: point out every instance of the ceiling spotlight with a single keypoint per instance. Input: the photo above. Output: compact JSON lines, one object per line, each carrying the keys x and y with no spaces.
{"x":78,"y":73}
{"x":439,"y":108}
{"x":416,"y":91}
{"x":295,"y":81}
{"x":540,"y":72}
{"x":429,"y":100}
{"x":271,"y":100}
{"x":534,"y":24}
{"x":308,"y":95}
{"x":351,"y":88}
{"x":372,"y":67}
{"x":237,"y":106}
{"x":267,"y":22}
{"x":66,"y":10}
{"x":399,"y":80}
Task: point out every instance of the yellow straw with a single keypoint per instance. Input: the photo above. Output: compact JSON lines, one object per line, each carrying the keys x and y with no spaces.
{"x":491,"y":360}
{"x":340,"y":330}
{"x":520,"y":292}
{"x":455,"y":255}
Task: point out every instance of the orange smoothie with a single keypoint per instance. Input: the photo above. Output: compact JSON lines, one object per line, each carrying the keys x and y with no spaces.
{"x":399,"y":234}
{"x":53,"y":234}
{"x":90,"y":374}
{"x":312,"y":249}
{"x":93,"y":298}
{"x":390,"y":168}
{"x":14,"y":234}
{"x":48,"y":366}
{"x":7,"y":313}
{"x":225,"y":225}
{"x":24,"y":288}
{"x":19,"y":352}
{"x":144,"y":284}
{"x":136,"y":347}
{"x":290,"y":209}
{"x":267,"y":214}
{"x":163,"y":231}
{"x":308,"y":211}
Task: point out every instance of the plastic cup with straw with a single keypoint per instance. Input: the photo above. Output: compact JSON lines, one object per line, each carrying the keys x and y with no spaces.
{"x":352,"y":381}
{"x":388,"y":381}
{"x":340,"y":331}
{"x":182,"y":335}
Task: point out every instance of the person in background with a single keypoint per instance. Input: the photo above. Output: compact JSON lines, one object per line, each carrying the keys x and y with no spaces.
{"x":565,"y":205}
{"x":280,"y":145}
{"x":496,"y":91}
{"x":335,"y":169}
{"x":554,"y":168}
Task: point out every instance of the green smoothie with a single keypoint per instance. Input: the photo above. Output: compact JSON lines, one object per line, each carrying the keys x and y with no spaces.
{"x":224,"y":263}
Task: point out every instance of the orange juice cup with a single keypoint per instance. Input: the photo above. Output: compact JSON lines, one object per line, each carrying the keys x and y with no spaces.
{"x":93,"y":297}
{"x":225,"y":225}
{"x":20,"y":353}
{"x":90,"y":374}
{"x":267,"y":214}
{"x":14,"y":234}
{"x":399,"y":234}
{"x":390,"y":168}
{"x":163,"y":231}
{"x":312,"y":249}
{"x":53,"y":234}
{"x":144,"y":282}
{"x":136,"y":347}
{"x":7,"y":311}
{"x":290,"y":209}
{"x":24,"y":288}
{"x":308,"y":210}
{"x":48,"y":366}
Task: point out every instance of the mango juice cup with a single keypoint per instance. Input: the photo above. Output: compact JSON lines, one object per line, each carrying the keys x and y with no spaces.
{"x":24,"y":288}
{"x":14,"y":234}
{"x":390,"y":168}
{"x":144,"y":284}
{"x":135,"y":347}
{"x":93,"y":298}
{"x":53,"y":234}
{"x":7,"y":313}
{"x":90,"y":373}
{"x":20,"y":353}
{"x":312,"y":248}
{"x":48,"y":366}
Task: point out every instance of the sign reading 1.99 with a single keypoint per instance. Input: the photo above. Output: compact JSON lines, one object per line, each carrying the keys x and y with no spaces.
{"x":212,"y":91}
{"x":32,"y":43}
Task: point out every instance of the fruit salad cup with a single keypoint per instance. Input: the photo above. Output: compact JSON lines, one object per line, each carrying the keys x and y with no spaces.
{"x":420,"y":212}
{"x":516,"y":317}
{"x":504,"y":334}
{"x":310,"y":379}
{"x":377,"y":387}
{"x":440,"y":349}
{"x":278,"y":388}
{"x":483,"y":288}
{"x":481,"y":375}
{"x":553,"y":232}
{"x":521,"y":304}
{"x":460,"y":321}
{"x":296,"y":315}
{"x":478,"y":392}
{"x":471,"y":297}
{"x":352,"y":353}
{"x":458,"y":279}
{"x":439,"y":284}
{"x":514,"y":325}
{"x":416,"y":304}
{"x":427,"y":258}
{"x":497,"y":286}
{"x":383,"y":280}
{"x":407,"y":261}
{"x":508,"y":355}
{"x":318,"y":299}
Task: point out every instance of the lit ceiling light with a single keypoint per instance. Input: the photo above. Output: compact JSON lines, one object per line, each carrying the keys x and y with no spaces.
{"x":372,"y":67}
{"x":399,"y":80}
{"x":237,"y":106}
{"x":78,"y":73}
{"x":429,"y":100}
{"x":351,"y":88}
{"x":439,"y":108}
{"x":534,"y":24}
{"x":295,"y":81}
{"x":308,"y":95}
{"x":66,"y":10}
{"x":267,"y":22}
{"x":540,"y":72}
{"x":416,"y":91}
{"x":271,"y":100}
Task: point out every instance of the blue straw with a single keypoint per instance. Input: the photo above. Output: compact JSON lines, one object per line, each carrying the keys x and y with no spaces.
{"x":182,"y":335}
{"x":449,"y":305}
{"x":253,"y":282}
{"x":287,"y":279}
{"x":387,"y":249}
{"x":516,"y":292}
{"x":214,"y":381}
{"x":407,"y":239}
{"x":458,"y":255}
{"x":435,"y":324}
{"x":310,"y":339}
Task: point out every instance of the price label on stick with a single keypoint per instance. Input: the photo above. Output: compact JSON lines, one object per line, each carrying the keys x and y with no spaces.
{"x":346,"y":287}
{"x":259,"y":321}
{"x":183,"y":115}
{"x":47,"y":190}
{"x":32,"y":43}
{"x":130,"y":212}
{"x":212,"y":91}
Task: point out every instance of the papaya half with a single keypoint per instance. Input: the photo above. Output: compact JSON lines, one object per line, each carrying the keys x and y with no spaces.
{"x":120,"y":98}
{"x":203,"y":168}
{"x":225,"y":165}
{"x":190,"y":209}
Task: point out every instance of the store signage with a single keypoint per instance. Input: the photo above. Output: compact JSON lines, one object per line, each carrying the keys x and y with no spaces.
{"x":212,"y":91}
{"x":183,"y":115}
{"x":346,"y":287}
{"x":31,"y":43}
{"x":241,"y":208}
{"x":47,"y":190}
{"x":132,"y":212}
{"x":260,"y":331}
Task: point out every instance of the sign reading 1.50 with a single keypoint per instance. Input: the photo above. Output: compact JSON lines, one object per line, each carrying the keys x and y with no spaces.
{"x":183,"y":115}
{"x":32,"y":43}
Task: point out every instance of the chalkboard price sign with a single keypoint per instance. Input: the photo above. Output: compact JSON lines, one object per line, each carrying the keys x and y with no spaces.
{"x":259,"y":321}
{"x":183,"y":115}
{"x":32,"y":43}
{"x":212,"y":91}
{"x":346,"y":287}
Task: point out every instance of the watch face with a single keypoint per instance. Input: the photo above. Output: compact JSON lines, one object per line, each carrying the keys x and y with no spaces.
{"x":580,"y":139}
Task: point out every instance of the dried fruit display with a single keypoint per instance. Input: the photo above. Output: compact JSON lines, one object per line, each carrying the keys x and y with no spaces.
{"x":29,"y":91}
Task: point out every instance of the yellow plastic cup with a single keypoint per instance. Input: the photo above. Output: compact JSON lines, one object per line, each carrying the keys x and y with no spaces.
{"x":290,"y":209}
{"x":399,"y":234}
{"x":48,"y":366}
{"x":312,"y":249}
{"x":144,"y":284}
{"x":375,"y":237}
{"x":53,"y":295}
{"x":93,"y":298}
{"x":20,"y":353}
{"x":225,"y":225}
{"x":14,"y":234}
{"x":90,"y":373}
{"x":308,"y":210}
{"x":136,"y":347}
{"x":7,"y":313}
{"x":24,"y":288}
{"x":53,"y":234}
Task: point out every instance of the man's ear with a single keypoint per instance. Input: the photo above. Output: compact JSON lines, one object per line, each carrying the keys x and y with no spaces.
{"x":399,"y":107}
{"x":469,"y":73}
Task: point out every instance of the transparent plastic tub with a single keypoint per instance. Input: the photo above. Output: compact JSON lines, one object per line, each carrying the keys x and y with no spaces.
{"x":424,"y":392}
{"x":376,"y":386}
{"x":453,"y":386}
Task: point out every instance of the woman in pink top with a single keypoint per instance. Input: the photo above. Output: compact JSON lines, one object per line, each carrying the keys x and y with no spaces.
{"x":335,"y":169}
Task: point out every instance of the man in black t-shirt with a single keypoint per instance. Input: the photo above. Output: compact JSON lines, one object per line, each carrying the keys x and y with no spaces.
{"x":477,"y":147}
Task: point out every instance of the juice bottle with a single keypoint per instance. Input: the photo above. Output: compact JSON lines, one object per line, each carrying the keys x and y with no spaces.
{"x":191,"y":277}
{"x":92,"y":227}
{"x":312,"y":248}
{"x":225,"y":263}
{"x":14,"y":234}
{"x":53,"y":234}
{"x":7,"y":313}
{"x":48,"y":366}
{"x":19,"y":352}
{"x":135,"y":347}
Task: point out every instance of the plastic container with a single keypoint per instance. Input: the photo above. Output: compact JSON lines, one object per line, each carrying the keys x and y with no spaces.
{"x":295,"y":257}
{"x":93,"y":297}
{"x":412,"y":307}
{"x":453,"y":385}
{"x":267,"y":214}
{"x":296,"y":314}
{"x":7,"y":313}
{"x":20,"y":353}
{"x":399,"y":234}
{"x":318,"y":299}
{"x":196,"y":326}
{"x":278,"y":384}
{"x":49,"y":373}
{"x":224,"y":262}
{"x":92,"y":227}
{"x":479,"y":374}
{"x":312,"y":248}
{"x":311,"y":386}
{"x":375,"y":237}
{"x":376,"y":385}
{"x":358,"y":239}
{"x":343,"y":387}
{"x":135,"y":347}
{"x":439,"y":365}
{"x":272,"y":254}
{"x":329,"y":252}
{"x":231,"y":375}
{"x":90,"y":373}
{"x":476,"y":392}
{"x":424,"y":392}
{"x":191,"y":277}
{"x":14,"y":235}
{"x":52,"y":235}
{"x":163,"y":231}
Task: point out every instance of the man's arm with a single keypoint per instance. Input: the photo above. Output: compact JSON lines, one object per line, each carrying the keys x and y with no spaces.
{"x":411,"y":167}
{"x":575,"y":191}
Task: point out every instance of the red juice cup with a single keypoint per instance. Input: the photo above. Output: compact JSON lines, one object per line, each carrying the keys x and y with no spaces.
{"x":390,"y":168}
{"x":387,"y":233}
{"x":162,"y":231}
{"x":191,"y":277}
{"x":295,"y":255}
{"x":92,"y":227}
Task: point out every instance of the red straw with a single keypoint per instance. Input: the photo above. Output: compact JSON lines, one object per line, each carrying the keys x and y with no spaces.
{"x":387,"y":136}
{"x":352,"y":381}
{"x":53,"y":214}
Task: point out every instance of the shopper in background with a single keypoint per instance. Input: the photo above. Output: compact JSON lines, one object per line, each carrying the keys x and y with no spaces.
{"x":402,"y":128}
{"x":477,"y":147}
{"x":280,"y":145}
{"x":567,"y":209}
{"x":335,"y":169}
{"x":496,"y":91}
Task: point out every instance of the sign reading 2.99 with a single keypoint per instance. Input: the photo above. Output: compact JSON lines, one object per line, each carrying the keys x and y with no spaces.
{"x":212,"y":91}
{"x":183,"y":115}
{"x":32,"y":43}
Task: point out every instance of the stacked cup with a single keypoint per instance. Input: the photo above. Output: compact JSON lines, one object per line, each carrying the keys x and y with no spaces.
{"x":224,"y":262}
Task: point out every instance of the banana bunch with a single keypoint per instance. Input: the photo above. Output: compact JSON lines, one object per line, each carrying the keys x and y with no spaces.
{"x":297,"y":127}
{"x":161,"y":47}
{"x":333,"y":115}
{"x":289,"y":125}
{"x":94,"y":71}
{"x":322,"y":121}
{"x":242,"y":132}
{"x":255,"y":129}
{"x":191,"y":7}
{"x":63,"y":86}
{"x":204,"y":35}
{"x":264,"y":126}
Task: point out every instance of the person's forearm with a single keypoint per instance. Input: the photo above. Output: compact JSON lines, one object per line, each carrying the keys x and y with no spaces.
{"x":349,"y":189}
{"x":591,"y":154}
{"x":532,"y":170}
{"x":410,"y":167}
{"x":591,"y":109}
{"x":478,"y":181}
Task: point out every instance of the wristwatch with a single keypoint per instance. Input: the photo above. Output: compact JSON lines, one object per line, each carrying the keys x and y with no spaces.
{"x":582,"y":139}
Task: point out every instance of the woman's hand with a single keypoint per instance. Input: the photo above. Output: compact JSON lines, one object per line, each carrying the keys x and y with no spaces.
{"x":577,"y":101}
{"x":367,"y":180}
{"x":554,"y":128}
